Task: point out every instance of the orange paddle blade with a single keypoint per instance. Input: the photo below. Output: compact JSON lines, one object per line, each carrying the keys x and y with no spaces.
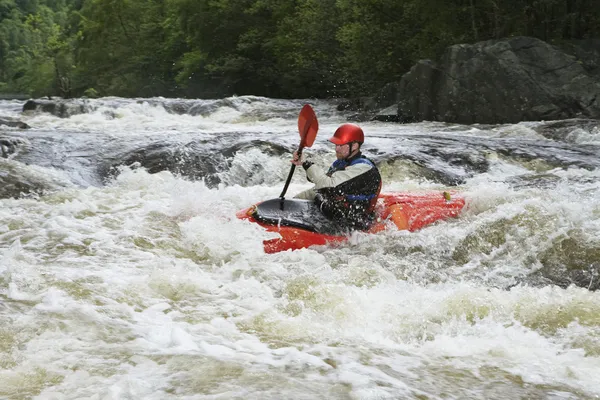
{"x":307,"y":126}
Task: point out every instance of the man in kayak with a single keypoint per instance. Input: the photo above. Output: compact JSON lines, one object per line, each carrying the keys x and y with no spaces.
{"x":348,"y":191}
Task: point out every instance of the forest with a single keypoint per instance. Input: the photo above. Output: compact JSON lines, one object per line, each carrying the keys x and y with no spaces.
{"x":274,"y":48}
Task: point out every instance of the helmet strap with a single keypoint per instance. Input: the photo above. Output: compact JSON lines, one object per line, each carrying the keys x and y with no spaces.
{"x":350,"y":151}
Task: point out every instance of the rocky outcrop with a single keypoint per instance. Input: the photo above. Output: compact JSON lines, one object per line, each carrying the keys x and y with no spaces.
{"x":503,"y":81}
{"x":59,"y":107}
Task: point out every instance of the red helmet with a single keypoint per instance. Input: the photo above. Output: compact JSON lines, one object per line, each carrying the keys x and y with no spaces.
{"x":348,"y":133}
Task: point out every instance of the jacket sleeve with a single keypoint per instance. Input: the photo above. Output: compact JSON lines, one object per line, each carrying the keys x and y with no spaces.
{"x":308,"y":194}
{"x":321,"y":180}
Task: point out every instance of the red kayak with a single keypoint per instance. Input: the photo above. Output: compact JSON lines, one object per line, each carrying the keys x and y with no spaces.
{"x":301,"y":224}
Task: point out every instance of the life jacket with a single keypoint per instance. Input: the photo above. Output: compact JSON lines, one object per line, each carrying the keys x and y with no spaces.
{"x":352,"y":202}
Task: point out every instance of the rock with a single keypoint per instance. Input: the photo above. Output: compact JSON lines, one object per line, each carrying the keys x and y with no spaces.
{"x":499,"y":81}
{"x":18,"y":180}
{"x":571,"y":260}
{"x":14,"y":123}
{"x":190,"y":161}
{"x":560,"y":130}
{"x":9,"y":146}
{"x":197,"y":160}
{"x":59,"y":107}
{"x":586,"y":52}
{"x":178,"y":107}
{"x":387,"y":96}
{"x":389,"y":114}
{"x":362,"y":104}
{"x":367,"y":106}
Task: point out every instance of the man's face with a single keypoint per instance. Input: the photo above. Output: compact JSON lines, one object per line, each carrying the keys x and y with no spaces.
{"x":342,"y":151}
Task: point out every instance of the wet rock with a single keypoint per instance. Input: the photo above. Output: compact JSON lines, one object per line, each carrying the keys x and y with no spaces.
{"x":372,"y":108}
{"x":357,"y":104}
{"x":59,"y":107}
{"x":157,"y":157}
{"x":14,"y":123}
{"x":178,"y":107}
{"x":389,"y":114}
{"x":18,"y":179}
{"x":571,"y":260}
{"x":9,"y":146}
{"x":463,"y":157}
{"x":360,"y":117}
{"x":12,"y":188}
{"x":195,"y":161}
{"x":560,"y":130}
{"x":553,"y":155}
{"x":205,"y":108}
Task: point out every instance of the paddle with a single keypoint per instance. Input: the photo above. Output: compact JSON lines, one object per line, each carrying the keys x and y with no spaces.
{"x":307,"y":127}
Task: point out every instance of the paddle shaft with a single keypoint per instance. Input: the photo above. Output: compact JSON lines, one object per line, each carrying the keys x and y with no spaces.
{"x":289,"y":178}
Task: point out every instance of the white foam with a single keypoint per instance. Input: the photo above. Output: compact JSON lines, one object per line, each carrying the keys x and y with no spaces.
{"x":150,"y":287}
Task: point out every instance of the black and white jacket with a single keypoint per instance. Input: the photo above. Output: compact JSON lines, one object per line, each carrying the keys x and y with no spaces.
{"x":347,"y":192}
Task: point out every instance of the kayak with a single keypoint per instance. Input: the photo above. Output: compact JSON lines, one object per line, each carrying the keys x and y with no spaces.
{"x":301,"y":224}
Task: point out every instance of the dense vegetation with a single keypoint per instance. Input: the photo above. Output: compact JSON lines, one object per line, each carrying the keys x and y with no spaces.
{"x":276,"y":48}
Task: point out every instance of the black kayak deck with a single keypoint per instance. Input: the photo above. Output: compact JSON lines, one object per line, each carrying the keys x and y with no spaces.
{"x":302,"y":214}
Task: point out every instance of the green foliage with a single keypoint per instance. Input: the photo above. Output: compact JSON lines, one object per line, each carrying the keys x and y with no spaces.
{"x":127,"y":47}
{"x":91,"y":93}
{"x":226,"y":41}
{"x":373,"y":53}
{"x":36,"y":56}
{"x":276,"y":48}
{"x":307,"y":50}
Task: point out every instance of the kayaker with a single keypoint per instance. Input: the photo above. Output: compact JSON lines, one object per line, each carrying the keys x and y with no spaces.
{"x":348,"y":191}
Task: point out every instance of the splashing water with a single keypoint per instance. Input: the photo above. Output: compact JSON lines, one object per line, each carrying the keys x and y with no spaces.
{"x":145,"y":285}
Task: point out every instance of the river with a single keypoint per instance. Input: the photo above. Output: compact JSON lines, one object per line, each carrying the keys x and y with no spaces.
{"x":123,"y":278}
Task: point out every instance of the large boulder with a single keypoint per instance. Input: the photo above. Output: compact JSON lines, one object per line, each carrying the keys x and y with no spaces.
{"x":500,"y":81}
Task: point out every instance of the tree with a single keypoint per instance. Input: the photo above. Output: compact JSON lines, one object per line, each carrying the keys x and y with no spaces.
{"x":127,"y":47}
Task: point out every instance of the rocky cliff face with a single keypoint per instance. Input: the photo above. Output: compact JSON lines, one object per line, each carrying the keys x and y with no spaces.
{"x":502,"y":81}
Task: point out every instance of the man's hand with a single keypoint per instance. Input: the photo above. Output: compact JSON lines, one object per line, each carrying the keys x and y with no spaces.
{"x":297,"y":161}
